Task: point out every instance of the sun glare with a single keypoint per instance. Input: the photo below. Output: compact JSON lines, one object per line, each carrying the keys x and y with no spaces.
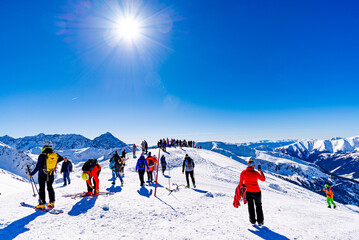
{"x":128,"y":29}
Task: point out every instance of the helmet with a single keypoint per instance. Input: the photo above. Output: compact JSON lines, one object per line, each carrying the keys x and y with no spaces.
{"x":326,"y":185}
{"x":85,"y":176}
{"x":47,"y":144}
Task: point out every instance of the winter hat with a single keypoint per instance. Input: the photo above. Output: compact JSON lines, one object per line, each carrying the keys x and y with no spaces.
{"x":326,"y":185}
{"x":251,"y":164}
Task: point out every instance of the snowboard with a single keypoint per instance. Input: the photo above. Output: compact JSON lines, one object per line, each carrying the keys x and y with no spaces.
{"x":49,"y":210}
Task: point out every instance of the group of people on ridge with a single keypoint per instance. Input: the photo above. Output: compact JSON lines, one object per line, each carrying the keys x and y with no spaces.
{"x":164,"y":143}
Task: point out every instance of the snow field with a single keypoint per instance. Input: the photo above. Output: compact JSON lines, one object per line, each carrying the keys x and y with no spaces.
{"x":290,"y":212}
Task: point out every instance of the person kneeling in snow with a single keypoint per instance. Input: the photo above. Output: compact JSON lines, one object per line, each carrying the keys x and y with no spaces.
{"x":330,"y":194}
{"x":91,"y":171}
{"x":250,"y":177}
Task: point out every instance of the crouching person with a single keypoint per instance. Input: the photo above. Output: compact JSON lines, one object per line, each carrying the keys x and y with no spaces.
{"x":91,"y":171}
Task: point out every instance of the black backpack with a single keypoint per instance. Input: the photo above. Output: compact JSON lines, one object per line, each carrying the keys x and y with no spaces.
{"x":89,"y":164}
{"x":189,"y":163}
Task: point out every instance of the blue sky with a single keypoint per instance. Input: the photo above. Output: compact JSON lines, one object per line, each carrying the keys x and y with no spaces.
{"x":207,"y":70}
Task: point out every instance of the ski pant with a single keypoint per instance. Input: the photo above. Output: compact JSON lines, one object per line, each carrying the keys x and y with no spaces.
{"x":150,"y":176}
{"x":113,"y":176}
{"x":118,"y":175}
{"x":47,"y":179}
{"x":255,"y":198}
{"x":66,"y":177}
{"x":190,"y":173}
{"x":163,"y":169}
{"x":89,"y":188}
{"x":141,"y":173}
{"x":330,"y":200}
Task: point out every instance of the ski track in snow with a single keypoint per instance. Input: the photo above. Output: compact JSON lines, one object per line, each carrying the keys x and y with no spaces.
{"x":290,"y":212}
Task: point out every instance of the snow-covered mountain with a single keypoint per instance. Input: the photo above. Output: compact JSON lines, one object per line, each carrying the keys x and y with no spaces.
{"x":14,"y":160}
{"x":338,"y":156}
{"x":64,"y":141}
{"x":289,"y":168}
{"x":133,"y":212}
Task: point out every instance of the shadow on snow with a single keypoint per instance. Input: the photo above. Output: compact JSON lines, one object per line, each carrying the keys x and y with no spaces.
{"x":144,"y":192}
{"x":18,"y":227}
{"x":267,"y":234}
{"x":114,"y":189}
{"x":82,"y":206}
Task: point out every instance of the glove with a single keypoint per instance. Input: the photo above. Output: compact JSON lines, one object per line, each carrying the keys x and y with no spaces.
{"x":236,"y":203}
{"x":29,"y":176}
{"x":97,"y":190}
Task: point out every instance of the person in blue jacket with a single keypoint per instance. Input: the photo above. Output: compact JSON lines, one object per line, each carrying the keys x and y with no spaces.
{"x":66,"y":169}
{"x":163,"y":164}
{"x":141,"y":167}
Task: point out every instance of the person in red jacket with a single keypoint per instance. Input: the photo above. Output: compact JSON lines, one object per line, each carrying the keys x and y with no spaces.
{"x":249,"y":178}
{"x":92,"y":173}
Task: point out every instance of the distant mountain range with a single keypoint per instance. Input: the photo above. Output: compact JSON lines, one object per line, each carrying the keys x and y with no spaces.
{"x":64,"y":141}
{"x":339,"y":156}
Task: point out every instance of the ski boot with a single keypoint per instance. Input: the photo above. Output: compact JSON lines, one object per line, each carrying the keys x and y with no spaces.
{"x":40,"y":206}
{"x":96,"y":193}
{"x":187,"y":186}
{"x":260,"y":224}
{"x":329,"y":207}
{"x":113,"y":182}
{"x":121,"y":183}
{"x":88,"y":194}
{"x":334,"y":206}
{"x":51,"y":205}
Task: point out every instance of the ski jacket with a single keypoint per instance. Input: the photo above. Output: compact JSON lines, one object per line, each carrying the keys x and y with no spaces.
{"x":41,"y":162}
{"x":163,"y":161}
{"x":154,"y":162}
{"x":115,"y":157}
{"x":239,"y":193}
{"x":66,"y":166}
{"x":188,"y":164}
{"x":250,"y":178}
{"x":94,"y":174}
{"x":141,"y":163}
{"x":329,"y":192}
{"x":118,"y":164}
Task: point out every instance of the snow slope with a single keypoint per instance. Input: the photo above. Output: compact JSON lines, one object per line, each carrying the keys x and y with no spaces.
{"x":290,"y":212}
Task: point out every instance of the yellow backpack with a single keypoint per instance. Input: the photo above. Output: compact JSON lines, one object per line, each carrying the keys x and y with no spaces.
{"x":51,"y":162}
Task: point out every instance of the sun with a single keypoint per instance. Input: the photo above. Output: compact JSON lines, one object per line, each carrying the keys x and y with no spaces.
{"x":129,"y":29}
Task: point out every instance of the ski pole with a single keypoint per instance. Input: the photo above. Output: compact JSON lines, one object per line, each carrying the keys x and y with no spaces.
{"x":28,"y":172}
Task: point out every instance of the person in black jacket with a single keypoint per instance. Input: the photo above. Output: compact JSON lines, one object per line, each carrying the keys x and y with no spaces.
{"x":188,"y":165}
{"x":66,"y":169}
{"x":46,"y":165}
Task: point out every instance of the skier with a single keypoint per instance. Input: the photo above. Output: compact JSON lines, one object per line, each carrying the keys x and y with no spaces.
{"x":66,"y":169}
{"x":141,"y":167}
{"x":250,"y":177}
{"x":46,"y":165}
{"x":134,"y":148}
{"x":188,"y":165}
{"x":115,"y":157}
{"x":330,"y":194}
{"x":151,"y":161}
{"x":118,"y":167}
{"x":91,"y":171}
{"x":163,"y":164}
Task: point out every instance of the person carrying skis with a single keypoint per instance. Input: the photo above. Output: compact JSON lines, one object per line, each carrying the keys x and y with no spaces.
{"x":250,"y":177}
{"x":163,"y":164}
{"x":151,"y":161}
{"x":141,"y":167}
{"x":330,"y":195}
{"x":188,"y":165}
{"x":91,"y":171}
{"x":66,"y":169}
{"x":134,"y":148}
{"x":46,"y":165}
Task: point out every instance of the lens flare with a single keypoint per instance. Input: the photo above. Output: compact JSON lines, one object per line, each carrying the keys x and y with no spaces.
{"x":128,"y":29}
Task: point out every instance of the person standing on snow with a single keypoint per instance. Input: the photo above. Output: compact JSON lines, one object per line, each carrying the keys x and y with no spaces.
{"x":134,"y":148}
{"x":141,"y":167}
{"x":91,"y":171}
{"x":330,"y":195}
{"x":188,"y":165}
{"x":118,"y":167}
{"x":66,"y":169}
{"x":115,"y":158}
{"x":163,"y":164}
{"x":249,"y":178}
{"x":46,"y":165}
{"x":151,"y":161}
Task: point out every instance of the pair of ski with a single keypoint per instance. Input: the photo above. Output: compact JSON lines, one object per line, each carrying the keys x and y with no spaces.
{"x":46,"y":209}
{"x":83,"y":194}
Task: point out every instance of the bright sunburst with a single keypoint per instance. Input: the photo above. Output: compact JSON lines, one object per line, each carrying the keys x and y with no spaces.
{"x":128,"y":29}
